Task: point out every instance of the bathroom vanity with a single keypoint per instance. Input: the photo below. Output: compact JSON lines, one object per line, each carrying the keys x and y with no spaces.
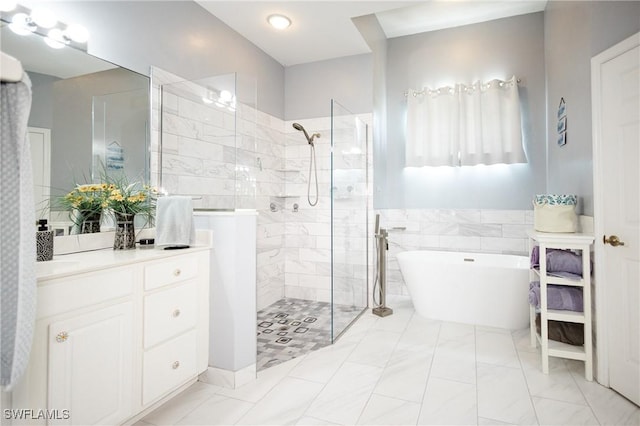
{"x":116,"y":333}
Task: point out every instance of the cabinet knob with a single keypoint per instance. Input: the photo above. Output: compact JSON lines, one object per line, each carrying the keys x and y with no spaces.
{"x":176,"y":313}
{"x":175,"y":365}
{"x":62,"y":337}
{"x":177,"y":272}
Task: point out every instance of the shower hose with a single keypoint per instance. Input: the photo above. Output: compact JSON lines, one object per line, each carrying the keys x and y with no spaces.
{"x":312,"y":165}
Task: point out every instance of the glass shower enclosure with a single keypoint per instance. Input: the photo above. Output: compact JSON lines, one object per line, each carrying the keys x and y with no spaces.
{"x":349,"y":218}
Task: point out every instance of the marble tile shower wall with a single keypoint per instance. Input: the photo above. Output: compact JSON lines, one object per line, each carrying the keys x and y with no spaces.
{"x":270,"y":244}
{"x":308,"y":231}
{"x":207,"y":151}
{"x":478,"y":231}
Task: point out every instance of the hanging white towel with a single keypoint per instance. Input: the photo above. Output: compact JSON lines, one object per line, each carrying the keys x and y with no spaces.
{"x":174,"y":222}
{"x":17,"y":227}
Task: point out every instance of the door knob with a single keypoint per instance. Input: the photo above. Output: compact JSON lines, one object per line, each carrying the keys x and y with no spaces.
{"x":613,"y":240}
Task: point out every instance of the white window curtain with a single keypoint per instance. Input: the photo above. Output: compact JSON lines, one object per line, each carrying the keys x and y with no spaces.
{"x":465,"y":125}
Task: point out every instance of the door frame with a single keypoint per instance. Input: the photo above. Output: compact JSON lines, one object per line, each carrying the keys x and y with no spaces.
{"x":46,"y":135}
{"x":602,"y":346}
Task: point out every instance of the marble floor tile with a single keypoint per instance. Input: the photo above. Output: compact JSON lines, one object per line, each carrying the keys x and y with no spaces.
{"x":503,"y":395}
{"x":409,"y":370}
{"x":284,"y":404}
{"x":559,"y":384}
{"x":181,"y":405}
{"x":321,"y":365}
{"x":405,"y":377}
{"x":346,"y":394}
{"x":552,"y":412}
{"x":455,"y":360}
{"x":608,"y":406}
{"x":266,"y":380}
{"x":448,"y":402}
{"x":383,"y":410}
{"x":217,"y":410}
{"x":496,"y":348}
{"x":375,"y":348}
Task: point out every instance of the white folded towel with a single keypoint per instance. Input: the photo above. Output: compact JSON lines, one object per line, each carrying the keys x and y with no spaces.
{"x":174,"y":222}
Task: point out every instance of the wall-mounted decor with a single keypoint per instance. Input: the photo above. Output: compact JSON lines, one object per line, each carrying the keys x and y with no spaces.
{"x":115,"y":156}
{"x":562,"y":123}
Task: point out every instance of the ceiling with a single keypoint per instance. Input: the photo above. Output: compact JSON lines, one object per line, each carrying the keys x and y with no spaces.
{"x":323,"y":29}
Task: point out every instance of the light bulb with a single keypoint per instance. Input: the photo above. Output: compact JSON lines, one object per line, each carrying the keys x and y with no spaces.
{"x":55,"y":39}
{"x":44,"y":18}
{"x":7,"y":5}
{"x":226,"y":96}
{"x":21,"y":24}
{"x":279,"y":22}
{"x":77,"y":33}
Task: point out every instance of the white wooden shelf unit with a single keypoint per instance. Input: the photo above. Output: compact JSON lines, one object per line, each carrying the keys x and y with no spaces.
{"x":576,"y":241}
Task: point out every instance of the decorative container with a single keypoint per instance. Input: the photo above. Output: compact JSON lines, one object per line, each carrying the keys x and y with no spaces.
{"x":90,"y":223}
{"x":125,"y":236}
{"x":44,"y":242}
{"x":555,"y":213}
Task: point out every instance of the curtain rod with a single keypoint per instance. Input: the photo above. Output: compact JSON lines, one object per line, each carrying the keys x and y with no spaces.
{"x":421,"y":92}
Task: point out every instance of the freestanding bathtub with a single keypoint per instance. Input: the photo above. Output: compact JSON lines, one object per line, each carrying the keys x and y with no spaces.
{"x":472,"y":288}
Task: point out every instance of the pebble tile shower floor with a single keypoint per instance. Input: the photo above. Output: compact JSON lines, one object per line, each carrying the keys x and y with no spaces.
{"x":293,"y":327}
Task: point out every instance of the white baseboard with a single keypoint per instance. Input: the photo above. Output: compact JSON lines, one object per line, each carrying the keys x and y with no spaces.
{"x":227,"y":378}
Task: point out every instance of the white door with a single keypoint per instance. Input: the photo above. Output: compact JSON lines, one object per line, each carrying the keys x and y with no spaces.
{"x":91,"y":366}
{"x":40,"y":141}
{"x":617,"y":178}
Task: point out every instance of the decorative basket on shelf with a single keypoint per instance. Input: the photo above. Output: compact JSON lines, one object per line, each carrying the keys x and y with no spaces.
{"x":555,"y":213}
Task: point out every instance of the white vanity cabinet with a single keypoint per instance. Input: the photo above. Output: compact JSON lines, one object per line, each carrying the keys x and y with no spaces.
{"x":116,"y":333}
{"x":91,"y":365}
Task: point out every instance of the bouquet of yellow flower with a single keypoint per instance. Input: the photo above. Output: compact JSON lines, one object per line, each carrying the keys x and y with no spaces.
{"x":131,"y":199}
{"x":85,"y":203}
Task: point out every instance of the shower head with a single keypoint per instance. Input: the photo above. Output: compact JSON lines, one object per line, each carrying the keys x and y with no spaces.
{"x":299,"y":128}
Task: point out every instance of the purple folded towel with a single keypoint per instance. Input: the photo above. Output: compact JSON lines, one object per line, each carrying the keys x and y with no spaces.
{"x":561,"y":297}
{"x":558,"y":261}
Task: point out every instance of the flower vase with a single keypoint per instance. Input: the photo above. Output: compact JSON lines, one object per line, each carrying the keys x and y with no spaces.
{"x":125,"y":237}
{"x":90,"y":223}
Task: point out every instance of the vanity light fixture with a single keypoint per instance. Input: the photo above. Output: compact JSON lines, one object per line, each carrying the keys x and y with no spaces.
{"x":43,"y":18}
{"x":279,"y":22}
{"x":7,"y":5}
{"x":24,"y":21}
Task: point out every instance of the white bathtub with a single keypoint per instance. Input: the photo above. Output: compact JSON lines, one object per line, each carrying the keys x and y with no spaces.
{"x":471,"y":288}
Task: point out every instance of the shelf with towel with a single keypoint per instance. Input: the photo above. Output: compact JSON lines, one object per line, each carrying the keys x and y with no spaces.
{"x":554,"y":253}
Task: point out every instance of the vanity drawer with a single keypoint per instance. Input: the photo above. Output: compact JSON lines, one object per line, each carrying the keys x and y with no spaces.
{"x":170,"y":312}
{"x":78,"y":291}
{"x":168,"y":366}
{"x":170,"y":271}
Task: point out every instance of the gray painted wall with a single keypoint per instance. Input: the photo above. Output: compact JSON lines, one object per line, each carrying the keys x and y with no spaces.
{"x":310,"y":87}
{"x":575,"y":32}
{"x":71,"y":132}
{"x":374,"y":35}
{"x":178,"y":36}
{"x":41,"y":114}
{"x":495,"y":49}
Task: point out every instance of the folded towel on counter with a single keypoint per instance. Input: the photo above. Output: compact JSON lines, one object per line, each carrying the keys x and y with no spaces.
{"x":174,"y":222}
{"x":561,"y":297}
{"x":558,"y":261}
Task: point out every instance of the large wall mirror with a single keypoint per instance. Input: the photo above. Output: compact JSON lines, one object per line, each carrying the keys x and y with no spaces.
{"x":88,"y":117}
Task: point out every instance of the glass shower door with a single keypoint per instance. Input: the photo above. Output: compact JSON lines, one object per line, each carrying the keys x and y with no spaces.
{"x":349,"y":218}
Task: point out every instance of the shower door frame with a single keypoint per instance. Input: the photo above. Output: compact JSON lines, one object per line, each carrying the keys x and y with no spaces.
{"x":335,"y":336}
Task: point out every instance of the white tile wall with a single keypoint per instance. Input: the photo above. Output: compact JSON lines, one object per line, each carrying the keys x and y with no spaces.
{"x":483,"y":231}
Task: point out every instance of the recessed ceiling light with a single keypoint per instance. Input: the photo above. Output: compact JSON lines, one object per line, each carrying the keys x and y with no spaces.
{"x":279,"y":22}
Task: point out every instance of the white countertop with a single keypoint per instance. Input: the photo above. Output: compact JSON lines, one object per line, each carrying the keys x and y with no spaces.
{"x":88,"y":261}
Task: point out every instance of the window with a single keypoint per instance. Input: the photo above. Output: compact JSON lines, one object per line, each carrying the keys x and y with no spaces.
{"x":465,"y":125}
